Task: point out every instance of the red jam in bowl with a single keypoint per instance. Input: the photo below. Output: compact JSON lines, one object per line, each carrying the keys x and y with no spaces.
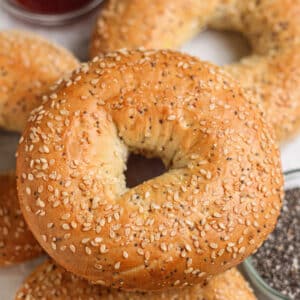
{"x":53,"y":6}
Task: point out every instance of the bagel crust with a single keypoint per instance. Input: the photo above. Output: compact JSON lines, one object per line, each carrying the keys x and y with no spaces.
{"x":155,"y":24}
{"x":50,"y":282}
{"x":17,"y":243}
{"x":29,"y":65}
{"x":216,"y":204}
{"x":271,"y":73}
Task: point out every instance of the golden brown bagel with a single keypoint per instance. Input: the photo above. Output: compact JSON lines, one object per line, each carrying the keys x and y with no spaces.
{"x":272,"y":72}
{"x":29,"y":65}
{"x":153,"y":24}
{"x":16,"y":241}
{"x":216,"y":204}
{"x":49,"y":282}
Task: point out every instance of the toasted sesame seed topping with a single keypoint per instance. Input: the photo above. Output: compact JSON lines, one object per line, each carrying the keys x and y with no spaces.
{"x":194,"y":215}
{"x":213,"y":245}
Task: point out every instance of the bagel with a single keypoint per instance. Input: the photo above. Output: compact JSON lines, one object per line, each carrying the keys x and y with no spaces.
{"x":216,"y":204}
{"x":17,"y":244}
{"x":271,"y":73}
{"x":152,"y":24}
{"x":29,"y":65}
{"x":49,"y":282}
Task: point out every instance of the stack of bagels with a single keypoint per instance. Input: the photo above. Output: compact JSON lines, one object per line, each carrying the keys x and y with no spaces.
{"x":175,"y":236}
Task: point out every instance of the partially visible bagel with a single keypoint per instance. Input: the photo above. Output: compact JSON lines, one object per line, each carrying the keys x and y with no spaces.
{"x":29,"y":65}
{"x":274,"y":81}
{"x":215,"y":205}
{"x":51,"y":282}
{"x":17,"y":244}
{"x":271,"y":73}
{"x":154,"y":24}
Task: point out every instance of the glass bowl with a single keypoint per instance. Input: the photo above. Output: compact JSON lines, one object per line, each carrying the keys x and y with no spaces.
{"x":263,"y":290}
{"x":47,"y":19}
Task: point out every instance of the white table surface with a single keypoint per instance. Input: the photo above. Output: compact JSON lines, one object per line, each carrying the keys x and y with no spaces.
{"x":214,"y":46}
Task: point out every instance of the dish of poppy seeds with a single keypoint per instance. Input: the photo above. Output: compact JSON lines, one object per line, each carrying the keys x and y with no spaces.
{"x":277,"y":261}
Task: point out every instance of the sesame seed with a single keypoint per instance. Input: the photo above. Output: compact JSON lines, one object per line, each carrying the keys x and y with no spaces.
{"x":98,"y":266}
{"x":98,"y":240}
{"x":171,"y":118}
{"x":72,"y":248}
{"x":242,"y":250}
{"x":217,"y":215}
{"x":213,"y":245}
{"x":188,"y":248}
{"x":53,"y":245}
{"x":140,"y":251}
{"x":65,"y":226}
{"x":88,"y":251}
{"x":103,"y":248}
{"x":163,"y":247}
{"x":177,"y":282}
{"x":94,"y":81}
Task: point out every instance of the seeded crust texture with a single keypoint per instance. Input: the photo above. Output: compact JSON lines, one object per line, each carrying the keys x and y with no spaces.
{"x":17,"y":243}
{"x":153,"y":24}
{"x":271,"y":73}
{"x":216,"y":204}
{"x":29,"y":65}
{"x":49,"y":282}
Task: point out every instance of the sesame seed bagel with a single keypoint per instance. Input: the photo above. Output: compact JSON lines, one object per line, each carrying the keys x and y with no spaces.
{"x":218,"y":201}
{"x":49,"y":282}
{"x":17,"y":244}
{"x":153,"y":24}
{"x":271,"y":72}
{"x":28,"y":66}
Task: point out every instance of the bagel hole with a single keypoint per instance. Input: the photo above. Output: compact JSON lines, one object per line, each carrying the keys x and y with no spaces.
{"x":141,"y":169}
{"x":219,"y":47}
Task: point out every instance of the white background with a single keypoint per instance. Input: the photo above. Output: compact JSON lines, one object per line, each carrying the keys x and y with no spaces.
{"x":214,"y":46}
